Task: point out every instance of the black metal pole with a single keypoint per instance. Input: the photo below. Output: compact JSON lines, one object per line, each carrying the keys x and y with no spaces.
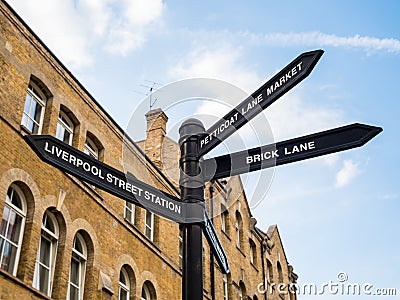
{"x":192,"y":190}
{"x":212,"y":275}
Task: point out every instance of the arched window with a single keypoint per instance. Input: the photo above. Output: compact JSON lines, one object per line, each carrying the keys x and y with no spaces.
{"x":78,"y":269}
{"x":124,"y":285}
{"x":148,"y":291}
{"x":242,"y":291}
{"x":270,"y":272}
{"x":224,"y":220}
{"x":280,"y":277}
{"x":46,"y":255}
{"x":239,"y":230}
{"x":12,"y":229}
{"x":32,"y":117}
{"x":65,"y":128}
{"x":253,"y":253}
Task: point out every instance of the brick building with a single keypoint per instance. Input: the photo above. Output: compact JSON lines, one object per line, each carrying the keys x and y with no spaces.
{"x":61,"y":238}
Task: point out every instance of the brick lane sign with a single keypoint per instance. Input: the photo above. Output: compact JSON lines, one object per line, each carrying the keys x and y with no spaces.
{"x":125,"y":186}
{"x":301,"y":148}
{"x":215,"y":244}
{"x":267,"y":94}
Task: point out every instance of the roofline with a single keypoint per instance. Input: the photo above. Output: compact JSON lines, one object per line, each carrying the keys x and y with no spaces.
{"x":88,"y":94}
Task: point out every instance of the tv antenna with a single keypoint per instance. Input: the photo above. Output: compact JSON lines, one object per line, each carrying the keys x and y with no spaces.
{"x":151,"y":88}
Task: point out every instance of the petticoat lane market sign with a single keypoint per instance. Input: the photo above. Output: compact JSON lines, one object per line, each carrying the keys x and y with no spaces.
{"x":267,"y":94}
{"x":122,"y":185}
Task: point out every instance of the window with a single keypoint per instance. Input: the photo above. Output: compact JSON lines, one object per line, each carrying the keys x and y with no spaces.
{"x":181,"y":248}
{"x":65,"y":128}
{"x":145,"y":293}
{"x":11,"y":229}
{"x":242,"y":291}
{"x":32,"y":117}
{"x":78,"y":269}
{"x":91,"y":149}
{"x":148,"y":291}
{"x":239,"y":230}
{"x":225,"y":222}
{"x":46,"y":256}
{"x":149,"y":225}
{"x":129,"y":213}
{"x":253,"y":253}
{"x":270,"y":277}
{"x":280,"y":277}
{"x":123,"y":285}
{"x":225,"y":286}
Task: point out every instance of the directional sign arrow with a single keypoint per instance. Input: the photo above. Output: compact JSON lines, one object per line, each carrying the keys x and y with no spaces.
{"x":267,"y":94}
{"x":313,"y":145}
{"x":215,"y":245}
{"x":125,"y":186}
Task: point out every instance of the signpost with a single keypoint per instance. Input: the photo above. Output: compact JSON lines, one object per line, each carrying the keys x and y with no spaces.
{"x":267,"y":94}
{"x":215,"y":244}
{"x":305,"y":147}
{"x":194,"y":142}
{"x":124,"y":186}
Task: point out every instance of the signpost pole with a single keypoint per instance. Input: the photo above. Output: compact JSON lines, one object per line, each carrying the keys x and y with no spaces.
{"x":192,"y":190}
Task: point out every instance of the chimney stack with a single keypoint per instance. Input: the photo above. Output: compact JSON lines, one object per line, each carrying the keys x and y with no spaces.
{"x":155,"y":134}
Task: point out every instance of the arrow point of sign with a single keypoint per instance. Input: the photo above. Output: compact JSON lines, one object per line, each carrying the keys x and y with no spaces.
{"x":371,"y":132}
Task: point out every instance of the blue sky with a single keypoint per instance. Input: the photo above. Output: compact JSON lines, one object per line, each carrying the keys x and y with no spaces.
{"x":335,"y":214}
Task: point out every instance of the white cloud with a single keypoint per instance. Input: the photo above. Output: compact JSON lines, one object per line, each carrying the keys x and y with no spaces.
{"x":142,"y":12}
{"x":316,"y":38}
{"x":347,"y":173}
{"x":74,"y":29}
{"x":221,"y":62}
{"x":58,"y":25}
{"x":291,"y":116}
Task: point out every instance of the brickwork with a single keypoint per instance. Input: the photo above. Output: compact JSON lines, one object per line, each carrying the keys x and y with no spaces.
{"x":112,"y":241}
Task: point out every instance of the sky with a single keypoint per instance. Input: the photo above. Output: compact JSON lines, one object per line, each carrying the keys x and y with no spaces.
{"x":335,"y":214}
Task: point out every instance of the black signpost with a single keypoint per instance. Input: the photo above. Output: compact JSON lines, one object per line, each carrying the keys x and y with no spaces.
{"x":124,"y":186}
{"x":301,"y":148}
{"x":215,"y":245}
{"x":194,"y":142}
{"x":267,"y":94}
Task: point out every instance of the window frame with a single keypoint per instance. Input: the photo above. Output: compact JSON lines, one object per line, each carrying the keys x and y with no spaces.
{"x":150,"y":226}
{"x":146,"y":290}
{"x":131,"y":210}
{"x":225,"y":286}
{"x":38,"y":96}
{"x":22,"y":212}
{"x":124,"y":286}
{"x":81,"y":258}
{"x":90,"y":148}
{"x":65,"y":122}
{"x":52,"y":238}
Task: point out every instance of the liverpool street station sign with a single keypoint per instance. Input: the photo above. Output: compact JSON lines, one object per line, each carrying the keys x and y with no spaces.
{"x":124,"y":186}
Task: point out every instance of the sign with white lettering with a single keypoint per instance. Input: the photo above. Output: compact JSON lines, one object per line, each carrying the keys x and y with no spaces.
{"x":215,"y":245}
{"x":305,"y":147}
{"x":125,"y":186}
{"x":267,"y":94}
